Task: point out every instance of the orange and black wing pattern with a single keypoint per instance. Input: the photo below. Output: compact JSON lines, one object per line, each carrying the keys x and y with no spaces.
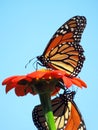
{"x":63,"y":51}
{"x":66,"y":114}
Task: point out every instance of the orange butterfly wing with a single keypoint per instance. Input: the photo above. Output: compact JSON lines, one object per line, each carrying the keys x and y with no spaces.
{"x":58,"y":40}
{"x":63,"y":51}
{"x":70,"y":31}
{"x":66,"y":114}
{"x":75,"y":121}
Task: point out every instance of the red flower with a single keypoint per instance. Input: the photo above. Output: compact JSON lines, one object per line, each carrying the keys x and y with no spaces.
{"x":37,"y":82}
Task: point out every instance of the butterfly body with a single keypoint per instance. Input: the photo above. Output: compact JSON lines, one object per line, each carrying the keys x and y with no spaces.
{"x":63,"y":51}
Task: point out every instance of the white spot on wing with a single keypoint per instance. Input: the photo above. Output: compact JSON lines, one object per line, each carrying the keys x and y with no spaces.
{"x":66,"y":26}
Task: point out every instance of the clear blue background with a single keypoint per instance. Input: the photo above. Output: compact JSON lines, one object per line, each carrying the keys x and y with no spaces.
{"x":25,"y":28}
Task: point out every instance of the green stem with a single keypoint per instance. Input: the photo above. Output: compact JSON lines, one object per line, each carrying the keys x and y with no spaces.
{"x":45,"y":99}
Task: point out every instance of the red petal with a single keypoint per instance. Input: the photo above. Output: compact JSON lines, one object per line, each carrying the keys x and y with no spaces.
{"x":18,"y":78}
{"x":79,"y":82}
{"x":58,"y":73}
{"x":82,"y":82}
{"x":9,"y":87}
{"x":7,"y":80}
{"x":76,"y":82}
{"x":20,"y":90}
{"x":37,"y":74}
{"x":67,"y":82}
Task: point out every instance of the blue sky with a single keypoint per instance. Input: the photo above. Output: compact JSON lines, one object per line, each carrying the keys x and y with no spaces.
{"x":25,"y":29}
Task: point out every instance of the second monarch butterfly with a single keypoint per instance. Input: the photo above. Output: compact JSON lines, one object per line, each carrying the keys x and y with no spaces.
{"x":66,"y":114}
{"x":63,"y":50}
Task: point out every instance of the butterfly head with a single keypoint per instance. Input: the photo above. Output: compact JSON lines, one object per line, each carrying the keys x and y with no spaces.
{"x":68,"y":95}
{"x":43,"y":61}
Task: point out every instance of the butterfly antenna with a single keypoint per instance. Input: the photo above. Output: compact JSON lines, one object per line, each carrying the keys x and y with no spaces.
{"x":29,"y":62}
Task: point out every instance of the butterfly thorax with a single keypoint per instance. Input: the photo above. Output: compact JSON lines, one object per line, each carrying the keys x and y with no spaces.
{"x":44,"y":61}
{"x":68,"y":96}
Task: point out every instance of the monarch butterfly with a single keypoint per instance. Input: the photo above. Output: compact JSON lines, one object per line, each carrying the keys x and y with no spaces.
{"x":63,"y":51}
{"x":66,"y":114}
